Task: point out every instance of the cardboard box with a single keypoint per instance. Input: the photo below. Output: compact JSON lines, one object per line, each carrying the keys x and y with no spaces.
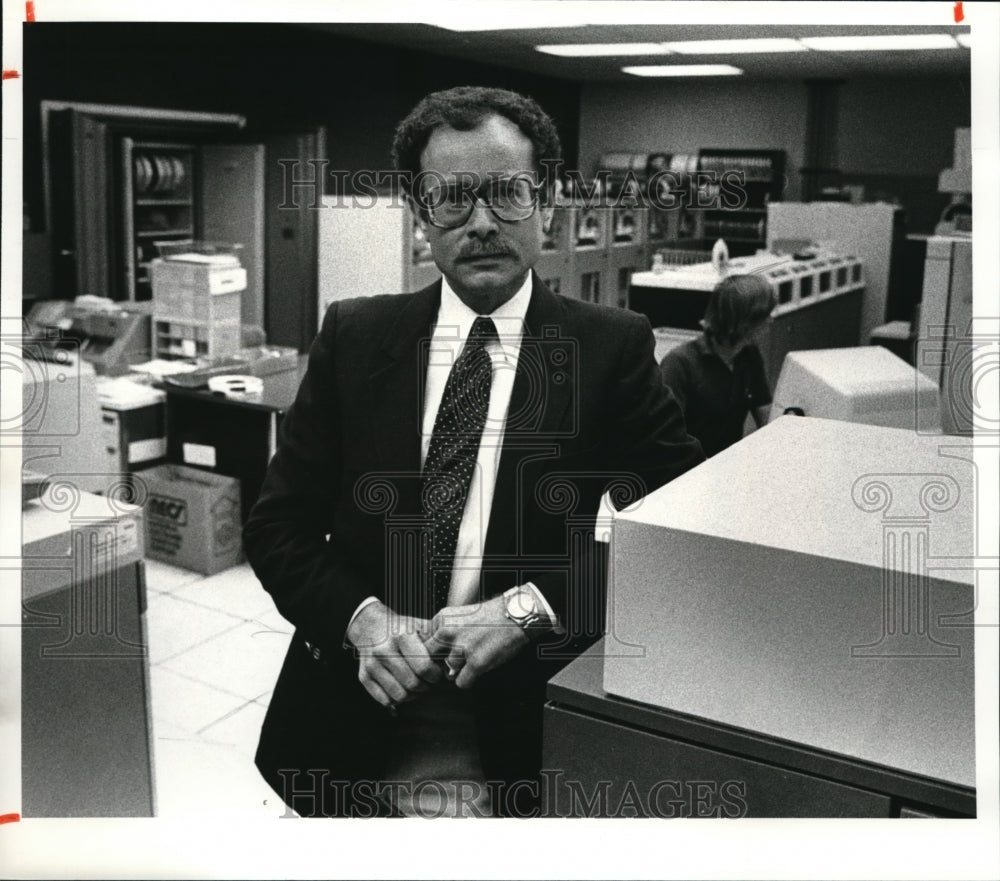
{"x":189,"y":280}
{"x":193,"y":518}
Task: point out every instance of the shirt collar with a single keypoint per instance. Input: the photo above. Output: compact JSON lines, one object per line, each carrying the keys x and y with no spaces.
{"x":508,"y":317}
{"x":704,"y":349}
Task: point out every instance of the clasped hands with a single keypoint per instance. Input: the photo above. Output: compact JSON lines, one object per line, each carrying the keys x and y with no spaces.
{"x":400,"y":657}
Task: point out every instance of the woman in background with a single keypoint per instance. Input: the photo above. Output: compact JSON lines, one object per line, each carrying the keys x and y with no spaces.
{"x":719,"y":377}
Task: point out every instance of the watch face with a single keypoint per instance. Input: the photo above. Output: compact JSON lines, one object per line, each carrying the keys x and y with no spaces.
{"x":521,"y":604}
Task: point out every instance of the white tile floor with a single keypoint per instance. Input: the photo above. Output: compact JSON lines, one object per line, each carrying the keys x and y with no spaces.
{"x":216,"y":645}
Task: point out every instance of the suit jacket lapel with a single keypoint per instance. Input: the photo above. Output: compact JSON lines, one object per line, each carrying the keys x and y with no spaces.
{"x":396,"y":385}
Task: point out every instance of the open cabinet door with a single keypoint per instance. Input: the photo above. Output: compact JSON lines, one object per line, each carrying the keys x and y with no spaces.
{"x":78,"y":195}
{"x":292,"y":235}
{"x":232,"y":200}
{"x":98,"y":214}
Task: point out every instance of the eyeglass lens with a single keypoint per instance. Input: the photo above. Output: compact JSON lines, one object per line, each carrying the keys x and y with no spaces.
{"x":510,"y":199}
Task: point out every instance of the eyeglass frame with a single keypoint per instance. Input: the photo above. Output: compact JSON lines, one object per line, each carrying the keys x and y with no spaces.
{"x":465,"y":187}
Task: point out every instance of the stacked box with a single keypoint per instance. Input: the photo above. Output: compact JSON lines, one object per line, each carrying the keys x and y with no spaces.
{"x":197,"y":307}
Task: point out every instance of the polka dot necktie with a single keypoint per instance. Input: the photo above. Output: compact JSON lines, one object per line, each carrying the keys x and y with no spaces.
{"x":453,"y":450}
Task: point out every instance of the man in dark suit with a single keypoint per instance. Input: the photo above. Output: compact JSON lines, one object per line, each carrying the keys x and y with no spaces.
{"x":427,"y":523}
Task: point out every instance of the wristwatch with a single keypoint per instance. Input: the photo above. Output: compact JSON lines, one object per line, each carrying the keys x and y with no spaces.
{"x":521,"y":607}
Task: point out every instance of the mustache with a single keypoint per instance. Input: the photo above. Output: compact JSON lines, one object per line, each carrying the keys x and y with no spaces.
{"x":495,"y":248}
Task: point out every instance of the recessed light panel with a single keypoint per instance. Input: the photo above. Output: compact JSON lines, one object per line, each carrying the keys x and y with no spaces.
{"x":683,"y":70}
{"x":597,"y":50}
{"x":884,"y":43}
{"x":735,"y":47}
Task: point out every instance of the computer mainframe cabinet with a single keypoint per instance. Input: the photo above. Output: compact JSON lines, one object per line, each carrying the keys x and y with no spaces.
{"x":86,"y":726}
{"x":605,"y":756}
{"x":826,"y":630}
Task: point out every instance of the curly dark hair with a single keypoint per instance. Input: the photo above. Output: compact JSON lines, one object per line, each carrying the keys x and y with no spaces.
{"x":465,"y":107}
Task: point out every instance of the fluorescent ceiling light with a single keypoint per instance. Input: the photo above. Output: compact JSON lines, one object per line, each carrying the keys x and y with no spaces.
{"x":964,"y":40}
{"x":683,"y":70}
{"x":735,"y":47}
{"x":596,"y":50}
{"x":505,"y":24}
{"x":490,"y":15}
{"x":880,"y":43}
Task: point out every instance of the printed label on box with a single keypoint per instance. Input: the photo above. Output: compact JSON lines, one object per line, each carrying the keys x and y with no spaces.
{"x":199,"y":454}
{"x":168,"y":508}
{"x":144,"y":450}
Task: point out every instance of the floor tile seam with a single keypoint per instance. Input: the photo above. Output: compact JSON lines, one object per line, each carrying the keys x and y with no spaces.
{"x":201,"y":731}
{"x":190,"y":678}
{"x":264,"y":630}
{"x":203,"y":605}
{"x":196,"y":645}
{"x":174,"y":587}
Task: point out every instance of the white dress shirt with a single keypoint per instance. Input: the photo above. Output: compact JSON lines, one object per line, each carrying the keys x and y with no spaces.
{"x":454,"y":323}
{"x":451,"y":330}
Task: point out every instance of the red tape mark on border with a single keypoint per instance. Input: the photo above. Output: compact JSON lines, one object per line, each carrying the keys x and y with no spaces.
{"x":10,"y":74}
{"x":29,"y":10}
{"x":959,"y":13}
{"x":10,"y":818}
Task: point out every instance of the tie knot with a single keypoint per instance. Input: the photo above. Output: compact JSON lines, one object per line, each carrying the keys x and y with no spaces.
{"x":483,"y":330}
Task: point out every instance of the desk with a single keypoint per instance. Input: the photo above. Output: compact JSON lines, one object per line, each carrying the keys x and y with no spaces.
{"x":235,"y":438}
{"x":207,"y":430}
{"x":85,"y":725}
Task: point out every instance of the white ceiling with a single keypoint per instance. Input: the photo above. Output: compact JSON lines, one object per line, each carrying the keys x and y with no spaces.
{"x":515,"y":49}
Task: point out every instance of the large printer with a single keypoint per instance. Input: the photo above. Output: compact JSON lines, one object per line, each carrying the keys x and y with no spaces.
{"x":819,"y":297}
{"x":676,"y":295}
{"x":60,"y":417}
{"x":109,"y":336}
{"x":808,"y":634}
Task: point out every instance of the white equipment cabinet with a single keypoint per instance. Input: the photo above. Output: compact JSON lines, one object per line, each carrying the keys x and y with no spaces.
{"x":814,"y":583}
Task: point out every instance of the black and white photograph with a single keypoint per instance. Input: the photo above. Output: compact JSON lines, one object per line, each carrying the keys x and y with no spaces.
{"x":575,"y":418}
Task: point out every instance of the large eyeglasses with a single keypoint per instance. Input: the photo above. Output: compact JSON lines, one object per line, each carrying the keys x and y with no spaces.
{"x":510,"y":199}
